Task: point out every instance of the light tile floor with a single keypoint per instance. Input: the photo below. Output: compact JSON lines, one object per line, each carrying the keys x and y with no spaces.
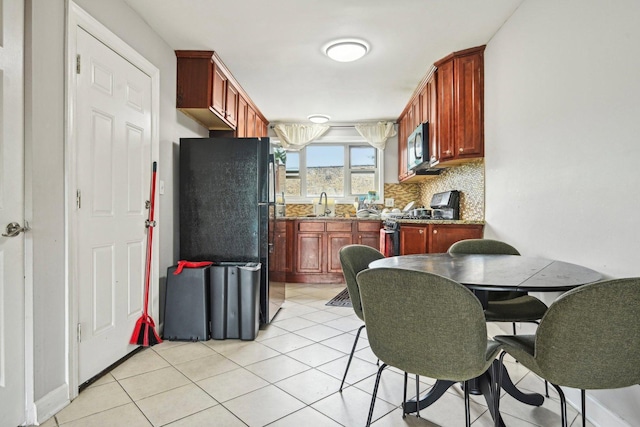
{"x":288,"y":377}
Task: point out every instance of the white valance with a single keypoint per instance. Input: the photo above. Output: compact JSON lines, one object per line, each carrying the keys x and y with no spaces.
{"x":296,"y":136}
{"x":376,"y":134}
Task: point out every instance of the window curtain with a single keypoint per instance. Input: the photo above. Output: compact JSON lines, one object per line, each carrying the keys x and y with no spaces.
{"x":297,"y":136}
{"x":376,"y":134}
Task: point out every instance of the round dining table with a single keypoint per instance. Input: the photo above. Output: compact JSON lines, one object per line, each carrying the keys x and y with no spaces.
{"x":483,"y":273}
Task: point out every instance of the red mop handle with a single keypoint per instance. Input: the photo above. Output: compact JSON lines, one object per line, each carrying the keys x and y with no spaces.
{"x":149,"y":224}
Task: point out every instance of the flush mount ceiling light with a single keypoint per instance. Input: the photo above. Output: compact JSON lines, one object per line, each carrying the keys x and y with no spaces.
{"x":319,"y":118}
{"x":346,"y":50}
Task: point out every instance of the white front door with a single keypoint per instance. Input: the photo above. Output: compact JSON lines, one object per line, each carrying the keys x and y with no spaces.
{"x":113,"y":172}
{"x":12,"y":267}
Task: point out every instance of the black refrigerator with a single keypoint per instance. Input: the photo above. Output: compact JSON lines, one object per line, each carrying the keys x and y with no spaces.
{"x":228,"y":209}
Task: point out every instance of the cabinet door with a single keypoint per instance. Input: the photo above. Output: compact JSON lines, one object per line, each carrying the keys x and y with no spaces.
{"x":445,"y":109}
{"x":445,"y":235}
{"x":218,"y":96}
{"x":309,"y":253}
{"x":469,"y":88}
{"x":413,"y":239}
{"x":368,"y":233}
{"x":251,"y":122}
{"x":424,"y":104}
{"x":335,"y":242}
{"x":369,"y":239}
{"x":260,"y":126}
{"x":241,"y":127}
{"x":231,"y":104}
{"x":416,"y":112}
{"x":288,"y":267}
{"x":194,"y":80}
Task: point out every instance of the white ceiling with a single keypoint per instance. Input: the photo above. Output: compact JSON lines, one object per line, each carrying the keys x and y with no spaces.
{"x":274,"y":47}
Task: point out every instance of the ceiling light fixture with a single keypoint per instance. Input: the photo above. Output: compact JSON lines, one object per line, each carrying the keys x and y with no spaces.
{"x":346,"y":50}
{"x":319,"y":118}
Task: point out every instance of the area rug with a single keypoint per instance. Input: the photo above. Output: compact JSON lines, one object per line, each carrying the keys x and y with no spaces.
{"x":341,"y":300}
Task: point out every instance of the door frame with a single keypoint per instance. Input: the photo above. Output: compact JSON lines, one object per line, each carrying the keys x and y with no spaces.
{"x":77,"y":17}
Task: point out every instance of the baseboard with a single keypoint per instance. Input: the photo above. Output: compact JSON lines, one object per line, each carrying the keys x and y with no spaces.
{"x":597,"y":414}
{"x":52,"y":403}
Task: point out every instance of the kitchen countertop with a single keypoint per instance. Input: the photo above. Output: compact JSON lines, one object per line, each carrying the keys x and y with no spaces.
{"x":401,"y":221}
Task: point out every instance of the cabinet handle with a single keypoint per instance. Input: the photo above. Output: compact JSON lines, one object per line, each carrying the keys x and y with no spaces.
{"x":421,"y":231}
{"x":461,"y":149}
{"x":448,"y":152}
{"x":435,"y":231}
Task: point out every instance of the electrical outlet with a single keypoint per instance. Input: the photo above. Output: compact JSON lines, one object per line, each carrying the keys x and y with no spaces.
{"x":388,"y":202}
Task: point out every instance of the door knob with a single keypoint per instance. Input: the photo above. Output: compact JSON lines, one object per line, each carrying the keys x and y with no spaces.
{"x":13,"y":229}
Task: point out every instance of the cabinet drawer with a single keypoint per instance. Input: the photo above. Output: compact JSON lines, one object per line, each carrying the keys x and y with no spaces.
{"x":368,"y":225}
{"x":339,"y":226}
{"x":310,"y":226}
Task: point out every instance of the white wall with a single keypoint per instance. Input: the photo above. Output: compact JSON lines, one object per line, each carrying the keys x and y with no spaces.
{"x":45,"y":145}
{"x":562,"y":126}
{"x":44,"y":129}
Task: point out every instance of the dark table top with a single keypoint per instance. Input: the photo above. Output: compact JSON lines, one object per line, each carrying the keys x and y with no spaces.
{"x":497,"y":272}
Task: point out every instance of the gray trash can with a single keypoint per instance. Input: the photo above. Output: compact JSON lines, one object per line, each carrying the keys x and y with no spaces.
{"x":186,"y":313}
{"x":235,"y":300}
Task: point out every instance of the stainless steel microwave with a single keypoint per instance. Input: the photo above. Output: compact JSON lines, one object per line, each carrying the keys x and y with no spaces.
{"x":418,"y":147}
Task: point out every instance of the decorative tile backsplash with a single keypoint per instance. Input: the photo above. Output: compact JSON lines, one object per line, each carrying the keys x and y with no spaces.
{"x":467,"y":178}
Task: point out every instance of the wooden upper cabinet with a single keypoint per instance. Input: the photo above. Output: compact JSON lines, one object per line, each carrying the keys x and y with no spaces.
{"x":241,"y":128}
{"x":219,"y":87}
{"x":469,"y":111}
{"x":207,"y":92}
{"x":451,"y":99}
{"x":416,"y":113}
{"x":251,"y":122}
{"x":460,"y":105}
{"x":231,"y":105}
{"x":445,"y":108}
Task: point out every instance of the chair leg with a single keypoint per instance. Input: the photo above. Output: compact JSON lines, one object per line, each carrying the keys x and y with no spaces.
{"x":497,"y":378}
{"x":417,"y":395}
{"x":353,"y":349}
{"x":584,"y":407}
{"x":467,"y":411}
{"x":563,"y":405}
{"x":375,"y":393}
{"x":514,"y":328}
{"x":404,"y":397}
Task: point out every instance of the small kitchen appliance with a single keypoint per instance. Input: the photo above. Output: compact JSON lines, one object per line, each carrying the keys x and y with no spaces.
{"x":446,"y":205}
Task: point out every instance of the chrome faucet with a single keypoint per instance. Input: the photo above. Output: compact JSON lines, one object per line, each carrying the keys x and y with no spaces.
{"x":326,"y":204}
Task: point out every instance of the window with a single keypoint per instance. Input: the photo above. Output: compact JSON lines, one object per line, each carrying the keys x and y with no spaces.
{"x":342,"y":170}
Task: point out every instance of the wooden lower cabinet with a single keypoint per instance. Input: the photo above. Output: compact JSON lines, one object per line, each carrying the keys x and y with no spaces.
{"x":445,"y":235}
{"x":435,"y":238}
{"x":317,"y":246}
{"x":413,"y":239}
{"x":368,"y":233}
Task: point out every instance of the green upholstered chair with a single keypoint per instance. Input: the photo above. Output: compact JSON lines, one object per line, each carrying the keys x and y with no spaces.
{"x":502,"y":306}
{"x":588,"y":339}
{"x":354,"y":259}
{"x":425,"y":324}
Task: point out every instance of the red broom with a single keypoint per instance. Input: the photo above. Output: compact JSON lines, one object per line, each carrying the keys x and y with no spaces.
{"x":144,"y":332}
